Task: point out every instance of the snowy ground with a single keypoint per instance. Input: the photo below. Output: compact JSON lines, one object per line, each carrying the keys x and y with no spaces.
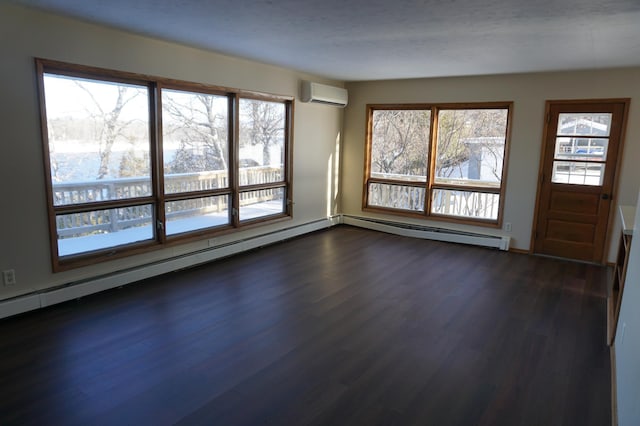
{"x":70,"y":246}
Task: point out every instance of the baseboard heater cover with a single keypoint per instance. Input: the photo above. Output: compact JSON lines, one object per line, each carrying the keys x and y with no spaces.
{"x":77,"y":289}
{"x":429,"y":232}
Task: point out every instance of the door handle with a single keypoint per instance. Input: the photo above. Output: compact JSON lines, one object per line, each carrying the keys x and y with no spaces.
{"x":605,"y":196}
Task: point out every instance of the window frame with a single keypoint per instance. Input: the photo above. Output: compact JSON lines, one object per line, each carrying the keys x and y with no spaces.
{"x":285,"y":184}
{"x":431,"y":185}
{"x":158,"y":198}
{"x":195,"y":88}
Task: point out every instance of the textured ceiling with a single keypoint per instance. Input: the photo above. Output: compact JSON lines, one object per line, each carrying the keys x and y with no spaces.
{"x":386,"y":39}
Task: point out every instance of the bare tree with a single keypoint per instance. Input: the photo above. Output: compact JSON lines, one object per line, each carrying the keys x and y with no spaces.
{"x":109,"y":126}
{"x":451,"y":152}
{"x":262,"y":123}
{"x":132,"y":164}
{"x":201,"y":128}
{"x":400,"y":142}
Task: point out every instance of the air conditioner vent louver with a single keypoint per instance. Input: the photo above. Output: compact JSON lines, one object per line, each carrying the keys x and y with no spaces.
{"x":323,"y":94}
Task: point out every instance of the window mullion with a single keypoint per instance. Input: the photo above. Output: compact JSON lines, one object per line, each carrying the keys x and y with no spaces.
{"x":468,"y":188}
{"x":157,"y":159}
{"x":111,"y":204}
{"x":432,"y":154}
{"x":234,"y":147}
{"x":288,"y":158}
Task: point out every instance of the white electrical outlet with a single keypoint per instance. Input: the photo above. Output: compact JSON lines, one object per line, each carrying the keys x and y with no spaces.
{"x":9,"y":277}
{"x":507,"y":226}
{"x":624,"y":328}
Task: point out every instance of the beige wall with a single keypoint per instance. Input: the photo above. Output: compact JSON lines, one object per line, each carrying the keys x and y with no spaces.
{"x":529,"y":93}
{"x":26,"y":34}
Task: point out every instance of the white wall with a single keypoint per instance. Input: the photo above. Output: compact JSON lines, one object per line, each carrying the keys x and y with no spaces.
{"x":627,"y":343}
{"x":529,"y":93}
{"x":25,"y":34}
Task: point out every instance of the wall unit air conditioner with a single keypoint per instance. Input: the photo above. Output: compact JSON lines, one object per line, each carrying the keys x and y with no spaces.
{"x":323,"y":94}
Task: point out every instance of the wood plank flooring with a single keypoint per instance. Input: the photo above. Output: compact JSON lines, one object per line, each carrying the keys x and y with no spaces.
{"x":340,"y":327}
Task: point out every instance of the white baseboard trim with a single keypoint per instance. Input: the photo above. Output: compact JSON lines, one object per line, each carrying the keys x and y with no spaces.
{"x":19,"y":305}
{"x":74,"y":290}
{"x":430,"y":233}
{"x":614,"y":385}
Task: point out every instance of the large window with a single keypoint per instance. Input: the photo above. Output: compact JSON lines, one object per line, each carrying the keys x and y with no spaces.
{"x":134,"y":162}
{"x":441,"y":161}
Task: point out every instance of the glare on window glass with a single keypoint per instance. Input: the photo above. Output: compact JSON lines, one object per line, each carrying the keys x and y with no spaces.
{"x":98,"y":139}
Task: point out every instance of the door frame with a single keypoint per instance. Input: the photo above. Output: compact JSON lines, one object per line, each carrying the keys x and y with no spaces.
{"x":616,"y":176}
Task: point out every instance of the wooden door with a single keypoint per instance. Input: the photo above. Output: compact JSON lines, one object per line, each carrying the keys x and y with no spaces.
{"x":582,"y":142}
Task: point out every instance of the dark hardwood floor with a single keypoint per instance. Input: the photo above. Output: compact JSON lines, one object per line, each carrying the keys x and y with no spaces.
{"x":341,"y":327}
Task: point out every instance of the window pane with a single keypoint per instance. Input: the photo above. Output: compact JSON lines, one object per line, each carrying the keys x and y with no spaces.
{"x":264,"y":202}
{"x":198,"y":213}
{"x":477,"y":205}
{"x":400,"y":144}
{"x":579,"y":124}
{"x":195,"y":141}
{"x":98,"y":136}
{"x":578,"y":173}
{"x":101,"y":229}
{"x":586,"y":149}
{"x":262,"y":132}
{"x":470,"y":147}
{"x":187,"y":182}
{"x":396,"y":197}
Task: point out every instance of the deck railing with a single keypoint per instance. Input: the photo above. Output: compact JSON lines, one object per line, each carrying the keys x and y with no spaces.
{"x":480,"y":205}
{"x":111,"y":220}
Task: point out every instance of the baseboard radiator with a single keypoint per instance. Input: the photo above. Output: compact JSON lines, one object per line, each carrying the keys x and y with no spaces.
{"x":429,"y":232}
{"x":77,"y":289}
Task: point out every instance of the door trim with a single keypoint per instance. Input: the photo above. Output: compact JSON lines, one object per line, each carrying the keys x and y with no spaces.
{"x":616,"y":177}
